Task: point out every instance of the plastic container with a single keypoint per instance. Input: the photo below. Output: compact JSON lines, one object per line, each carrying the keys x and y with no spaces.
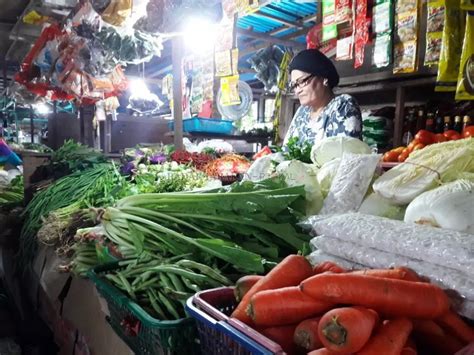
{"x":140,"y":331}
{"x":212,"y":308}
{"x":205,"y":125}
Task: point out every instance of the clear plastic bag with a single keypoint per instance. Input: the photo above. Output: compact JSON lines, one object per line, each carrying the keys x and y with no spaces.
{"x":446,"y":278}
{"x":447,"y":248}
{"x":351,"y":183}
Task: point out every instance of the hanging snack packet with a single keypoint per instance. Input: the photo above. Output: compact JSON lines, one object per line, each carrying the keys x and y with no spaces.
{"x":467,"y":5}
{"x":465,"y":89}
{"x":407,"y":26}
{"x":405,"y":57}
{"x":223,"y":62}
{"x":382,"y":50}
{"x":405,"y":6}
{"x":230,"y":91}
{"x":361,"y":32}
{"x":343,"y":11}
{"x":344,"y":48}
{"x":382,"y":20}
{"x":451,"y":48}
{"x":434,"y":31}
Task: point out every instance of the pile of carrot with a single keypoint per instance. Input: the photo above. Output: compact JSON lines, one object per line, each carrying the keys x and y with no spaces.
{"x":330,"y":310}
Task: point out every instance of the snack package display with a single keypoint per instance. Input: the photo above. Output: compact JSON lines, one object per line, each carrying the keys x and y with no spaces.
{"x":361,"y":32}
{"x":406,"y":37}
{"x":382,"y":20}
{"x":467,"y":5}
{"x":434,"y":31}
{"x":382,"y":50}
{"x":451,"y":48}
{"x":465,"y":87}
{"x":230,"y":91}
{"x":405,"y":57}
{"x":329,"y":22}
{"x":343,"y":11}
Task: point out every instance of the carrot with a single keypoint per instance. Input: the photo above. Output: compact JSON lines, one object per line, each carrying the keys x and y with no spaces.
{"x":306,"y":334}
{"x":454,"y":325}
{"x":399,"y":273}
{"x":328,"y":266}
{"x":289,"y":272}
{"x":346,"y":330}
{"x":282,"y":306}
{"x":322,"y":351}
{"x":409,"y":348}
{"x":387,"y":296}
{"x":244,"y":284}
{"x":283,"y":336}
{"x":427,"y":327}
{"x":389,"y":339}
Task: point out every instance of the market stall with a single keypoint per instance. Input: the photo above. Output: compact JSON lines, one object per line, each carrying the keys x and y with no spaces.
{"x":147,"y":204}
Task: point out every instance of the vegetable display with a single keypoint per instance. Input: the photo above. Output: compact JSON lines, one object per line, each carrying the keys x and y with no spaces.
{"x":373,"y":312}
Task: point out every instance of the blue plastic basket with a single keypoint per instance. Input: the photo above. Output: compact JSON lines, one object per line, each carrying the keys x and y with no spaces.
{"x":219,"y":338}
{"x":205,"y":125}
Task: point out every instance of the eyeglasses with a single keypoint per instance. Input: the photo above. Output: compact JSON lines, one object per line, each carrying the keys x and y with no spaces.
{"x":300,"y":83}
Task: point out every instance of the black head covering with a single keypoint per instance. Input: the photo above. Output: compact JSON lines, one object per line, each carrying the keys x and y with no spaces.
{"x":314,"y":62}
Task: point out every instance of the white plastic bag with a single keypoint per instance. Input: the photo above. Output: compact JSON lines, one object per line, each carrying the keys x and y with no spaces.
{"x":264,"y":167}
{"x":351,"y":182}
{"x":450,"y":206}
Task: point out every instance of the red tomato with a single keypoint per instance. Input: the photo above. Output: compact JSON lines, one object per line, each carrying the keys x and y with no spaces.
{"x":468,"y":132}
{"x":419,"y":146}
{"x":412,"y":145}
{"x":451,"y":135}
{"x":402,"y":157}
{"x":391,"y":156}
{"x":399,"y":150}
{"x":424,"y":136}
{"x":265,"y":151}
{"x":439,"y":138}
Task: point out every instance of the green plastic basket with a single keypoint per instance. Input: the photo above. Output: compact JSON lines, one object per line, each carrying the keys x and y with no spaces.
{"x":143,"y":333}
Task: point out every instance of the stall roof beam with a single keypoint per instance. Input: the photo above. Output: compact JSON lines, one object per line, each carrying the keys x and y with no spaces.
{"x":270,"y":39}
{"x":298,"y":24}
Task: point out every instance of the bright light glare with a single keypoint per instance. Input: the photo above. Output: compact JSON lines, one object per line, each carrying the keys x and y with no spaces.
{"x":138,"y":87}
{"x":42,"y":108}
{"x":200,"y":35}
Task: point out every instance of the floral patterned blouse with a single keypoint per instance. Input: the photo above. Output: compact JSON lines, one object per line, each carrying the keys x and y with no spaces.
{"x":340,"y":117}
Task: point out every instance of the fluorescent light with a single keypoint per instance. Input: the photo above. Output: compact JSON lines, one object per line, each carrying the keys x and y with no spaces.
{"x":200,"y":35}
{"x":138,"y":87}
{"x":42,"y":108}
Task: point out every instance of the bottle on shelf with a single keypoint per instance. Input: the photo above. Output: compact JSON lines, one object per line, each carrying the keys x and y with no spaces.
{"x":412,"y":122}
{"x":430,"y":122}
{"x":457,"y":124}
{"x":447,"y":123}
{"x":407,"y":136}
{"x":420,"y":120}
{"x":439,"y":123}
{"x":466,"y":122}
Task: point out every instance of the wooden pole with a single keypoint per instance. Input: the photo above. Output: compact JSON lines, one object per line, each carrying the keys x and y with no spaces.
{"x":177,"y":59}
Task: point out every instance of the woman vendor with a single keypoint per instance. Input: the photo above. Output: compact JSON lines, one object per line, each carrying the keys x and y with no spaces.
{"x":321,"y":114}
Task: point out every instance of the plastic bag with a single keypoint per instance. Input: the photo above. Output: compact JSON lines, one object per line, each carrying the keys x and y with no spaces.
{"x":445,"y":277}
{"x":264,"y":167}
{"x":465,"y":87}
{"x":451,"y":48}
{"x":361,"y":31}
{"x":382,"y":50}
{"x":443,"y":247}
{"x":117,"y":12}
{"x":405,"y":57}
{"x":382,"y":20}
{"x":351,"y":182}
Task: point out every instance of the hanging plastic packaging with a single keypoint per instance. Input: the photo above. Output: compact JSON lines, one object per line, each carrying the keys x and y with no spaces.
{"x":361,"y":33}
{"x":382,"y":50}
{"x":117,"y":12}
{"x":465,"y":88}
{"x":382,"y":20}
{"x":451,"y":48}
{"x":467,"y":5}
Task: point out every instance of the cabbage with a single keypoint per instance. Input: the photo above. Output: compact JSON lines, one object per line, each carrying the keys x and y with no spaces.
{"x":326,"y":175}
{"x":331,"y":148}
{"x":297,"y":173}
{"x":264,"y":167}
{"x":376,"y":205}
{"x":425,"y":169}
{"x":450,"y":206}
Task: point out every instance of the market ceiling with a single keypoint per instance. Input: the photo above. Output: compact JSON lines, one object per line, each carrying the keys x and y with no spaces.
{"x":284,"y":22}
